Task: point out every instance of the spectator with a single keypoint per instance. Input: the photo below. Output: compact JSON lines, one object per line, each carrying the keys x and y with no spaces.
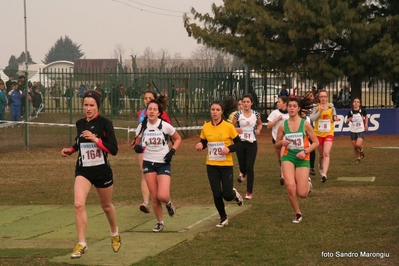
{"x":82,"y":89}
{"x":37,"y":101}
{"x":395,"y":95}
{"x":68,"y":94}
{"x":254,"y":97}
{"x":346,"y":97}
{"x":3,"y":100}
{"x":114,"y":96}
{"x":131,"y":98}
{"x":283,"y":91}
{"x":56,"y":93}
{"x":9,"y":83}
{"x":122,"y":93}
{"x":15,"y":98}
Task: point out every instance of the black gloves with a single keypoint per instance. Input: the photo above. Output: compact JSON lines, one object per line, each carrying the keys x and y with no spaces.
{"x":169,"y":155}
{"x":138,"y":148}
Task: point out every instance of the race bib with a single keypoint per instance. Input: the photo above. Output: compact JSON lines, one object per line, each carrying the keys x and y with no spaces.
{"x":324,"y":126}
{"x":91,"y":154}
{"x":215,"y":151}
{"x":357,"y":123}
{"x":247,"y":134}
{"x":296,"y":141}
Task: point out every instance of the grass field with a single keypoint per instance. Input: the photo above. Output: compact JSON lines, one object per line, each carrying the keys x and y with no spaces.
{"x":339,"y":217}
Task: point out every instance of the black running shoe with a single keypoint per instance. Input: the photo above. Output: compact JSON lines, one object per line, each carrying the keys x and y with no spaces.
{"x":361,"y":154}
{"x":158,"y":228}
{"x":312,"y":172}
{"x":171,"y":209}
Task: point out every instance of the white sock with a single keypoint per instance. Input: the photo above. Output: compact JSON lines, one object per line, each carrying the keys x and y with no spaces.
{"x":116,"y":233}
{"x":83,"y":244}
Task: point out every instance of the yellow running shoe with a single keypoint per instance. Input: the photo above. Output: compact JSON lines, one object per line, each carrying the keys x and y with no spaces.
{"x":116,"y":242}
{"x":78,"y":251}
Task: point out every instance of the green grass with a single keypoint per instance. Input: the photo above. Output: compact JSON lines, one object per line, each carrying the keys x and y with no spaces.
{"x":340,"y":216}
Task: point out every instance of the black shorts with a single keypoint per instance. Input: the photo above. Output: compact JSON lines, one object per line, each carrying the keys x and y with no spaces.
{"x":102,"y":180}
{"x":355,"y":136}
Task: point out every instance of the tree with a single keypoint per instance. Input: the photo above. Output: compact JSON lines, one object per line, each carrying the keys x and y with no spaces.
{"x":149,"y":58}
{"x":13,"y":64}
{"x":163,"y":56}
{"x":63,"y":49}
{"x":327,"y":39}
{"x":12,"y":68}
{"x":204,"y":56}
{"x":119,"y":53}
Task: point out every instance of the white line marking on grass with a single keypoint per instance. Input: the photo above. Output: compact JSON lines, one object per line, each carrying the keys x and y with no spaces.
{"x":361,"y":179}
{"x":388,"y":147}
{"x":198,"y":222}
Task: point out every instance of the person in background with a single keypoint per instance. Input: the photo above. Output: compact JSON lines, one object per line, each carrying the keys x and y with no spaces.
{"x":234,"y":107}
{"x":37,"y":101}
{"x":56,"y":93}
{"x":114,"y":101}
{"x":94,"y":141}
{"x":3,"y":101}
{"x":275,"y":118}
{"x":15,"y":99}
{"x":346,"y":97}
{"x":148,"y":96}
{"x":122,"y":98}
{"x":254,"y":97}
{"x":324,"y":115}
{"x":82,"y":90}
{"x":310,"y":99}
{"x":293,"y":138}
{"x":359,"y":121}
{"x":395,"y":95}
{"x":68,"y":94}
{"x":283,"y":91}
{"x":221,"y":139}
{"x":248,"y":124}
{"x":9,"y":83}
{"x":152,"y":141}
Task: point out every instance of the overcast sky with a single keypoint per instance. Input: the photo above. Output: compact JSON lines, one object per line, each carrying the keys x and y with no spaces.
{"x":98,"y":26}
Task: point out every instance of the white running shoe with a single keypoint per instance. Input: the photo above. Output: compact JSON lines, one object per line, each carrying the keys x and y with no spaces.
{"x":223,"y":221}
{"x":298,"y":218}
{"x":310,"y":185}
{"x":238,"y":198}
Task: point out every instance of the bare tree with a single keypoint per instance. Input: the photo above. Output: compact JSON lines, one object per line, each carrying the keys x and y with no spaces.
{"x":204,"y":56}
{"x":119,"y":53}
{"x":163,"y":56}
{"x":149,"y":58}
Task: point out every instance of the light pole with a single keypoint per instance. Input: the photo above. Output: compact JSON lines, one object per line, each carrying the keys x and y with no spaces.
{"x":26,"y":82}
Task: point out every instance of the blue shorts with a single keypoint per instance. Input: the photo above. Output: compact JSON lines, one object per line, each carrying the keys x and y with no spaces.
{"x":159,"y":168}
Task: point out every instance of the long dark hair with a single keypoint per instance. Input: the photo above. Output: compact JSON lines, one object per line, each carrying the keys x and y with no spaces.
{"x":162,"y":99}
{"x":305,"y":103}
{"x":228,"y":106}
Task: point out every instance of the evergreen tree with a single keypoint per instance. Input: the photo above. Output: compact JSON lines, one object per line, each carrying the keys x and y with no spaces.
{"x":13,"y":64}
{"x":63,"y":49}
{"x":328,"y":39}
{"x":12,"y":68}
